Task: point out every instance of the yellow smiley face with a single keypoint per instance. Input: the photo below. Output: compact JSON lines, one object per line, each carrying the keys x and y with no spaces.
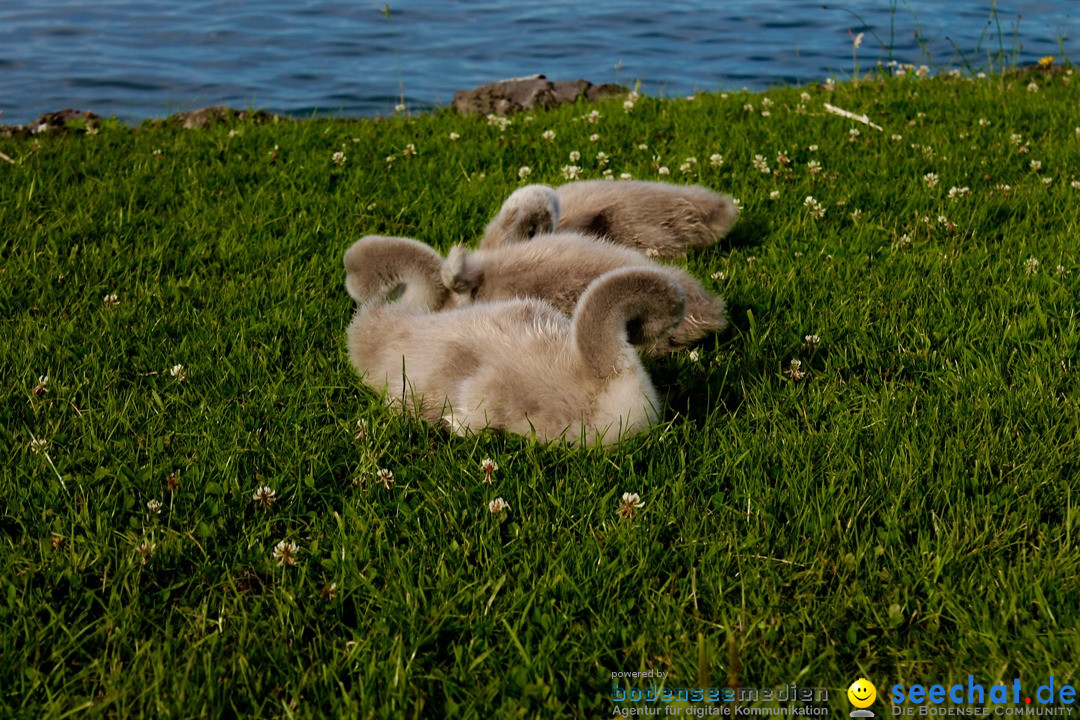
{"x":861,"y":693}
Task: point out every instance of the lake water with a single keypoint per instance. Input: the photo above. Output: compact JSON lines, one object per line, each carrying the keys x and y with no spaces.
{"x":136,"y":59}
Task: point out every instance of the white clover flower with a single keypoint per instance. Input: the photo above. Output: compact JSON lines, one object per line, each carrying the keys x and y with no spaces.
{"x":574,"y":156}
{"x":663,"y":171}
{"x":628,"y":105}
{"x":38,"y":446}
{"x":594,"y":138}
{"x":811,"y":342}
{"x":386,"y":477}
{"x":737,"y":203}
{"x":264,"y":496}
{"x":853,"y":133}
{"x":177,"y":371}
{"x":923,"y":71}
{"x":154,"y":506}
{"x":489,"y":467}
{"x":686,"y":169}
{"x":524,"y":171}
{"x":814,"y":167}
{"x":1036,"y":165}
{"x":571,"y":172}
{"x":856,"y":214}
{"x":1075,"y":184}
{"x":958,"y":192}
{"x":716,"y":160}
{"x":774,"y":195}
{"x":931,"y":180}
{"x":643,"y":146}
{"x":1031,"y":266}
{"x":499,"y":121}
{"x":498,"y":506}
{"x":390,"y":159}
{"x":694,"y":356}
{"x":631,"y":502}
{"x":983,"y":122}
{"x":766,"y":113}
{"x":602,"y":158}
{"x":593,"y":117}
{"x":1061,"y":271}
{"x":400,"y":107}
{"x":748,"y":108}
{"x":804,"y":96}
{"x":454,"y":136}
{"x":146,"y":549}
{"x":409,"y":150}
{"x":41,"y":388}
{"x":718,"y":275}
{"x":285,"y":553}
{"x":760,"y":165}
{"x":626,"y":176}
{"x":794,"y":370}
{"x":817,"y":210}
{"x":608,"y":174}
{"x":111,"y":300}
{"x":904,"y":240}
{"x":1033,"y":86}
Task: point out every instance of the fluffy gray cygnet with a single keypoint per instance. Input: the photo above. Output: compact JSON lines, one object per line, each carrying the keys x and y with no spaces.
{"x":517,"y":365}
{"x":555,"y":267}
{"x":660,"y":219}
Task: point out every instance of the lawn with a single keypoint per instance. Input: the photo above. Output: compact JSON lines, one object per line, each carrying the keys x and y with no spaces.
{"x":901,"y":504}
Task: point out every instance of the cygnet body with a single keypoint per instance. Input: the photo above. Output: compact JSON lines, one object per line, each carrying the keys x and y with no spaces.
{"x":660,"y":219}
{"x":520,"y":365}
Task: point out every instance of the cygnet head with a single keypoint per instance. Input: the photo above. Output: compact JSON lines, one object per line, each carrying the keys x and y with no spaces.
{"x":379,"y":268}
{"x":530,"y":211}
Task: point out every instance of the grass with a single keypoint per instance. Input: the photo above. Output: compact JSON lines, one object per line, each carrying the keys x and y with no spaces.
{"x":907,"y":511}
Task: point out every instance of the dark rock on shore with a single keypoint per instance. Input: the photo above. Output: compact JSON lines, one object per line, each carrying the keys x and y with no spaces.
{"x":53,"y":122}
{"x":516,"y":94}
{"x":214,"y":114}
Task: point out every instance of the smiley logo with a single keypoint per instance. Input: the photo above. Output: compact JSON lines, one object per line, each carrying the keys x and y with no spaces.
{"x":861,"y":693}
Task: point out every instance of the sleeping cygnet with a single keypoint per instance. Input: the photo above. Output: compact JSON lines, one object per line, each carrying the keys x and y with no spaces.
{"x":660,"y":219}
{"x":520,"y":365}
{"x":557,"y":267}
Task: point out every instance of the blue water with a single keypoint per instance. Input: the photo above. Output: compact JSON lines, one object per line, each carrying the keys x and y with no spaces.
{"x":136,"y":58}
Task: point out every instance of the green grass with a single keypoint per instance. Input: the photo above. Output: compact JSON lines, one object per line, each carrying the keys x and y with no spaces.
{"x":907,"y":511}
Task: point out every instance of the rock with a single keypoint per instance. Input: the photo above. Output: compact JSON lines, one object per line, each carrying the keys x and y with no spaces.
{"x":52,"y":122}
{"x":536,"y":91}
{"x":203,"y":117}
{"x":58,"y":120}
